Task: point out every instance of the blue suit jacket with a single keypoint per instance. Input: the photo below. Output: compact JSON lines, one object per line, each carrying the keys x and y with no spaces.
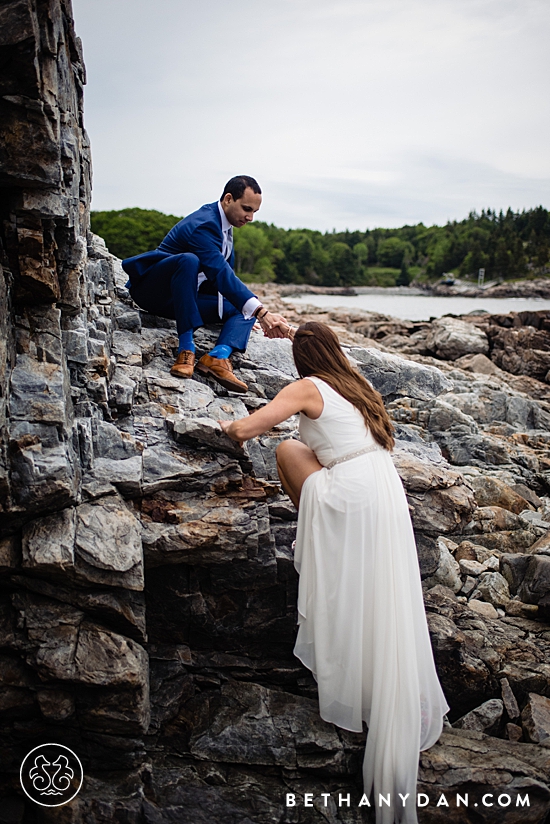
{"x":201,"y":234}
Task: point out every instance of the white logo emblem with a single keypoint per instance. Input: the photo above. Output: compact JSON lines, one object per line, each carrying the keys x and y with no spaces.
{"x":51,"y":775}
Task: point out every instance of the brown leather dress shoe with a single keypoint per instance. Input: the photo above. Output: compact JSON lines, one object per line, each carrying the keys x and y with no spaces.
{"x":221,"y":370}
{"x":184,"y":365}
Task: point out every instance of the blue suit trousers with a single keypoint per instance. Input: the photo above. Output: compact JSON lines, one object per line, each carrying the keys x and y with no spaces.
{"x":169,"y":289}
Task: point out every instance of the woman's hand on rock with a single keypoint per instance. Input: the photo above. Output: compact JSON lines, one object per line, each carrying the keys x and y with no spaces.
{"x":226,"y":426}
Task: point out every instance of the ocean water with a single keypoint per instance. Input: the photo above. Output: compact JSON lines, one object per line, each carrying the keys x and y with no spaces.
{"x":421,"y":307}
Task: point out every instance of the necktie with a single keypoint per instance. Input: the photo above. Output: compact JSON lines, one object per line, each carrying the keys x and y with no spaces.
{"x":229,"y":243}
{"x":226,"y":250}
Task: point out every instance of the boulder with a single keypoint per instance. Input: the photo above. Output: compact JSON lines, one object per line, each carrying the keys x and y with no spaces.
{"x":494,"y":492}
{"x":509,"y":699}
{"x":484,"y":718}
{"x":542,"y":546}
{"x":475,"y":766}
{"x":513,"y":567}
{"x":535,"y":586}
{"x":521,"y":351}
{"x":483,"y":608}
{"x":108,"y":544}
{"x":535,"y":719}
{"x":451,"y":338}
{"x":448,"y":571}
{"x":469,"y":567}
{"x":250,"y":724}
{"x":493,"y":588}
{"x":48,"y":543}
{"x":393,"y":376}
{"x":478,"y":363}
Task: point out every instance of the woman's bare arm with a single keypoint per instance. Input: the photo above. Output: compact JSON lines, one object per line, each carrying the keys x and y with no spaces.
{"x":301,"y":396}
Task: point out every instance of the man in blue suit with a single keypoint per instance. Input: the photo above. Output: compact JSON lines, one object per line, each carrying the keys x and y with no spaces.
{"x":190,"y":278}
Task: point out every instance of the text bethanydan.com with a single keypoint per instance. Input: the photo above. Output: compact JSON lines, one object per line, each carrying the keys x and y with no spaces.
{"x":422,"y":800}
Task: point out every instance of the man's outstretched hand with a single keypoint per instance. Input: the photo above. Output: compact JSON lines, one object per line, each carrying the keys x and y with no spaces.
{"x":274,"y":325}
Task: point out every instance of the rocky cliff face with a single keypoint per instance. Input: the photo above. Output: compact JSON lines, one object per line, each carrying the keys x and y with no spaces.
{"x":147,"y":589}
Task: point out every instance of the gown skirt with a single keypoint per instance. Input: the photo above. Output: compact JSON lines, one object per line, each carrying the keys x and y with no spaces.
{"x":362,"y":627}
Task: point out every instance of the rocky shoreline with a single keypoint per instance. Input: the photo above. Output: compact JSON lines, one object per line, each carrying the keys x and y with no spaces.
{"x":147,"y":587}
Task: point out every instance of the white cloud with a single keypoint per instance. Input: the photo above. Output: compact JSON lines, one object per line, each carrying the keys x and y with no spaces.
{"x":377,"y":112}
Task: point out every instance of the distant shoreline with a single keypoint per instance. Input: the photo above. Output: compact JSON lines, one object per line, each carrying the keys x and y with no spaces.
{"x":539,"y":288}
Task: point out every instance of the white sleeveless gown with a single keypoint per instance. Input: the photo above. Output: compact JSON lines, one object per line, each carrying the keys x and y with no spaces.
{"x":362,"y":625}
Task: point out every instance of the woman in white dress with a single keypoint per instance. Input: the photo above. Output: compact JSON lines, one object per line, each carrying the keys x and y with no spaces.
{"x":362,"y":625}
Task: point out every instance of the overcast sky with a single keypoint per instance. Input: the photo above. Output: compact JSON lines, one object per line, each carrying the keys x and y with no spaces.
{"x":349,"y":114}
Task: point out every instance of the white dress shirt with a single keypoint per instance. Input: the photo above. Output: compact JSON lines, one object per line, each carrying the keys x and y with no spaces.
{"x":227,"y":247}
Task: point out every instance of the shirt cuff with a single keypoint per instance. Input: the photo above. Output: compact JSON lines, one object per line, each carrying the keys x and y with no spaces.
{"x":250,"y":307}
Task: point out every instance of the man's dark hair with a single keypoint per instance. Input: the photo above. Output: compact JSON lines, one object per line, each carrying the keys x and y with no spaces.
{"x":237,"y":185}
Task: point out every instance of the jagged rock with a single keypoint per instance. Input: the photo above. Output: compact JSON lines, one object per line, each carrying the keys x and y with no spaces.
{"x":473,"y":764}
{"x":535,"y":586}
{"x":509,"y":699}
{"x":9,"y":554}
{"x":479,"y":363}
{"x":207,"y":531}
{"x":56,"y":704}
{"x":470,"y":567}
{"x":477,"y":552}
{"x":465,"y":551}
{"x":514,"y":732}
{"x":485,"y":609}
{"x":125,"y":475}
{"x":488,"y":402}
{"x":493,"y":588}
{"x":518,"y":609}
{"x":249,"y":724}
{"x":468,"y":586}
{"x":448,"y":571}
{"x":513,"y":568}
{"x":265,"y":354}
{"x":122,"y":391}
{"x":484,"y":718}
{"x":451,"y":338}
{"x":108,"y":544}
{"x":522,"y":351}
{"x":494,"y":492}
{"x":420,"y":475}
{"x":542,"y":546}
{"x":204,"y":431}
{"x":439,"y":500}
{"x":445,"y":416}
{"x":528,"y":495}
{"x":49,"y":542}
{"x":491,"y":519}
{"x":393,"y":376}
{"x":535,"y":719}
{"x":534,"y":519}
{"x":106,"y":659}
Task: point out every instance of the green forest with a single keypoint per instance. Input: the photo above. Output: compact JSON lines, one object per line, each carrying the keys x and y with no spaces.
{"x":508,"y":245}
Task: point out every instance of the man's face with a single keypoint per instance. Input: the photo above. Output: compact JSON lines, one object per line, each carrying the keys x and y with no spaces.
{"x":241,"y":211}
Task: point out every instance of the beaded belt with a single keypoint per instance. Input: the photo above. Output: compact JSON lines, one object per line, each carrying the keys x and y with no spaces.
{"x":349,"y":456}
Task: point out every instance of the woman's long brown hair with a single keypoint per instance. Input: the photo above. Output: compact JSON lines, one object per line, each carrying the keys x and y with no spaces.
{"x":317,"y":352}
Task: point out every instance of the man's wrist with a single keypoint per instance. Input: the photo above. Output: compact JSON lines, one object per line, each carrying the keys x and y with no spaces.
{"x":251,"y":307}
{"x":260,"y":313}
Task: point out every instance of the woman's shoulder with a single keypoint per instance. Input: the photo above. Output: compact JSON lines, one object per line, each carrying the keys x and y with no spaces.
{"x":308,"y":393}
